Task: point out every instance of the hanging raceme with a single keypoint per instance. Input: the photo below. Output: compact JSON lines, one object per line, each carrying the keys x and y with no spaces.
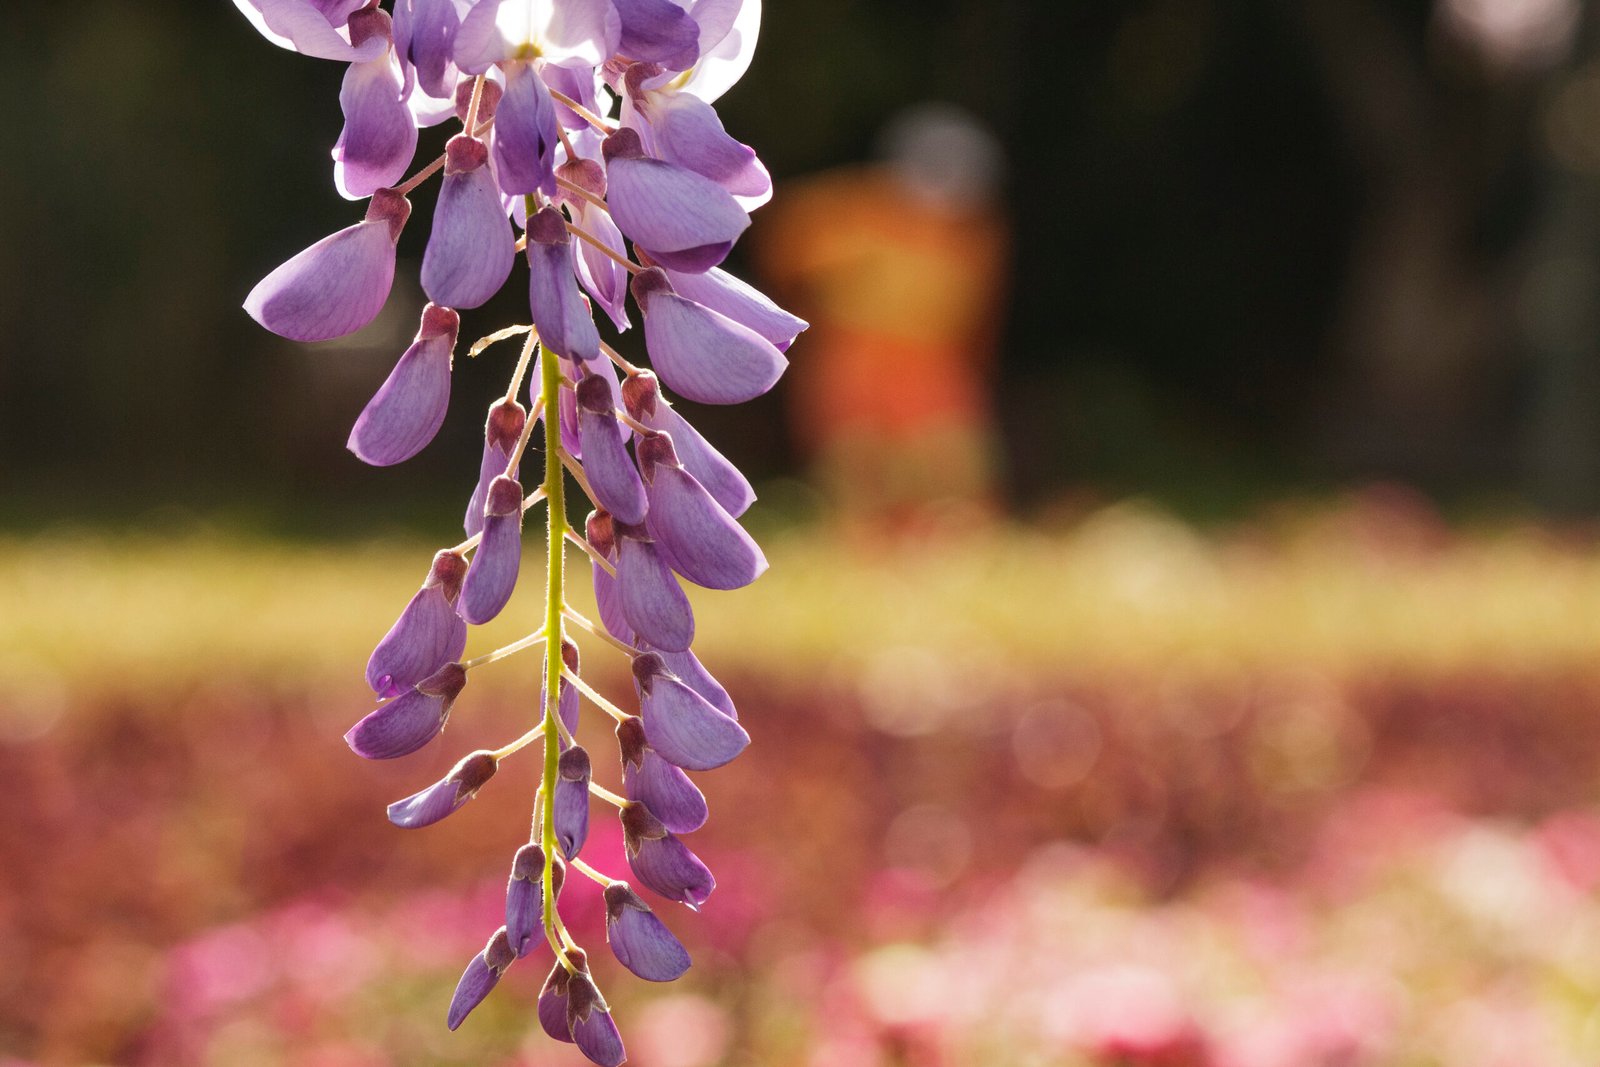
{"x":589,"y":126}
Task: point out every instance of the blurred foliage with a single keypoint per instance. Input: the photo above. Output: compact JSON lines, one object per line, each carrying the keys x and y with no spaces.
{"x":1317,"y":790}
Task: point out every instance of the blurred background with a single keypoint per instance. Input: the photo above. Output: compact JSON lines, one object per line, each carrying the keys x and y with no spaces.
{"x":1179,"y":647}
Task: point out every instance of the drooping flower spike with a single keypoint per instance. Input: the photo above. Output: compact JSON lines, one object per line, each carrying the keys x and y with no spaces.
{"x":589,"y":125}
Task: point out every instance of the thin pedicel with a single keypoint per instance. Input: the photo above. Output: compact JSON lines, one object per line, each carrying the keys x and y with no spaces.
{"x":604,"y":148}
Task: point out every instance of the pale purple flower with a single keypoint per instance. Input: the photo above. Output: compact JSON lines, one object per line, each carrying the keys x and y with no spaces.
{"x":562,"y":316}
{"x":652,"y":601}
{"x":525,"y":134}
{"x":657,"y":784}
{"x":379,"y":137}
{"x":612,"y":474}
{"x":471,"y":249}
{"x":564,"y":33}
{"x":408,"y":409}
{"x":741,"y":302}
{"x":682,"y":219}
{"x":708,"y":546}
{"x":602,"y":277}
{"x":501,"y":429}
{"x":424,"y":35}
{"x":642,"y":397}
{"x":700,"y":353}
{"x":661,"y":862}
{"x":687,"y":666}
{"x":481,"y":975}
{"x":339,"y":284}
{"x":681,"y":724}
{"x":600,"y":532}
{"x":310,"y":28}
{"x":446,"y":795}
{"x":683,"y":129}
{"x":552,"y":1007}
{"x":639,"y":940}
{"x":427,"y":635}
{"x":493,"y":573}
{"x":410,"y":720}
{"x":658,"y":31}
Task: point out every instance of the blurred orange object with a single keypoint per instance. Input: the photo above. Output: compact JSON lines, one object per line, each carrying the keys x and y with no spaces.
{"x":901,"y":268}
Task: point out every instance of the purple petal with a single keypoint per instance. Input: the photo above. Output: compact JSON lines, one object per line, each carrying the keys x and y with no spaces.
{"x":408,"y":409}
{"x":658,"y":785}
{"x":708,"y":546}
{"x":578,"y":84}
{"x":589,"y":1020}
{"x":700,"y":353}
{"x":744,"y":304}
{"x":339,"y":284}
{"x":427,"y":635}
{"x":688,"y":132}
{"x":471,"y":249}
{"x":446,"y":795}
{"x":378,"y":140}
{"x":639,"y":940}
{"x":605,"y":279}
{"x":572,"y":801}
{"x":525,"y":899}
{"x":653,"y":603}
{"x":710,"y":468}
{"x":304,"y":27}
{"x":693,"y":674}
{"x":493,"y":573}
{"x":525,"y":134}
{"x":661,"y":862}
{"x":601,"y":533}
{"x":566,"y":326}
{"x":682,"y":219}
{"x":609,"y":598}
{"x":553,"y":1004}
{"x":427,"y":41}
{"x":409,"y":721}
{"x":681,"y":724}
{"x":501,"y":430}
{"x":481,"y":975}
{"x":606,"y":461}
{"x":658,"y":31}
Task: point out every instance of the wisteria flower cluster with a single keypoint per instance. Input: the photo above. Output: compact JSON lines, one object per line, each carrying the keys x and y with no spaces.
{"x":589,"y":126}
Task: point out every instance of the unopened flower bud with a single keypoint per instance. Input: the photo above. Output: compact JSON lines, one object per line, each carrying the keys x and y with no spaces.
{"x":589,"y":1021}
{"x":493,"y":573}
{"x":427,"y":635}
{"x":572,"y":801}
{"x":660,"y":861}
{"x":700,"y":353}
{"x":639,"y":940}
{"x":408,"y":409}
{"x":446,"y":795}
{"x":660,"y":786}
{"x":553,"y":997}
{"x":410,"y":720}
{"x":481,"y":975}
{"x":611,"y":472}
{"x":681,"y":724}
{"x":652,"y":601}
{"x":525,"y":895}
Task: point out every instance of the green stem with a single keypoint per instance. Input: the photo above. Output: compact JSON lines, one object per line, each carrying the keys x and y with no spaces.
{"x":556,"y":529}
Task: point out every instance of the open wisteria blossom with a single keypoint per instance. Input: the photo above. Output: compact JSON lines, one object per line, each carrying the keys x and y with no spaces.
{"x":588,"y":125}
